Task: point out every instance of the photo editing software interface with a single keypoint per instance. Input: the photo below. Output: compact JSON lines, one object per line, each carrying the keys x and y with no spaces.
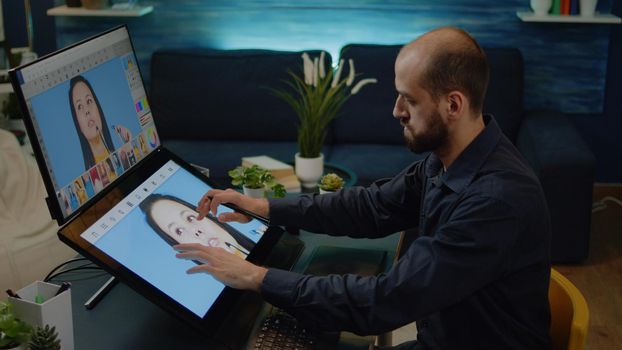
{"x":90,"y":114}
{"x":140,"y":230}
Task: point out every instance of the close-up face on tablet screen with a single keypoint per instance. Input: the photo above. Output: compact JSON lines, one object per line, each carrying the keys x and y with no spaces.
{"x":140,"y":230}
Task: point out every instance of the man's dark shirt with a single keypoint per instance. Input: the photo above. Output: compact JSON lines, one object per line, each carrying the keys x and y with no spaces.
{"x":477,"y":277}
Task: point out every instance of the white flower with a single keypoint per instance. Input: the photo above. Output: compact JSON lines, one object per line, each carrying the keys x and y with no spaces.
{"x":308,"y":68}
{"x":362,"y":83}
{"x":322,"y":70}
{"x":351,"y":75}
{"x":338,"y":74}
{"x":315,"y":71}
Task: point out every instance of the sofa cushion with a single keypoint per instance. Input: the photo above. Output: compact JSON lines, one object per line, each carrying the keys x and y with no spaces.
{"x":208,"y":94}
{"x":504,"y":98}
{"x":371,"y":162}
{"x":368,"y":115}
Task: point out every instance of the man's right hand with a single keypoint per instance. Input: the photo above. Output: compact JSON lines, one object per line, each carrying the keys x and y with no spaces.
{"x":213,"y":198}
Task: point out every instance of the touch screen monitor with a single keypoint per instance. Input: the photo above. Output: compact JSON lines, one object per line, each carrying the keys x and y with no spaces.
{"x":90,"y":117}
{"x":142,"y":220}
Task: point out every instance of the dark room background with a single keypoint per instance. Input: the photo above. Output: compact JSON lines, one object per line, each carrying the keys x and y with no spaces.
{"x":573,"y":68}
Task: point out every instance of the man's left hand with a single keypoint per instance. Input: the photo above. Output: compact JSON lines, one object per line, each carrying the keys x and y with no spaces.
{"x":228,"y":268}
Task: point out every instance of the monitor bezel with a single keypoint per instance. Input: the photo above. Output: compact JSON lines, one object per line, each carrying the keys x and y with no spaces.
{"x":54,"y":207}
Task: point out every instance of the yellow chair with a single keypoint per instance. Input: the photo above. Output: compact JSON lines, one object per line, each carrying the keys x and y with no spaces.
{"x":569,"y":314}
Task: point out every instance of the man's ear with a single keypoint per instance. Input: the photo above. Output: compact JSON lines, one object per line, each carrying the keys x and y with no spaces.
{"x":456,"y":103}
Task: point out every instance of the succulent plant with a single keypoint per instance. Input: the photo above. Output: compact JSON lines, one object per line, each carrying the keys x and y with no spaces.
{"x":331,"y":182}
{"x":44,"y":338}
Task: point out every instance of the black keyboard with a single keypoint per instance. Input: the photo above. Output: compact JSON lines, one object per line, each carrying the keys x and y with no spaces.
{"x":280,"y":331}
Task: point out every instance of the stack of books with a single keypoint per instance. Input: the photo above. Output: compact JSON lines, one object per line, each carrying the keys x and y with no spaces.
{"x":282,"y":172}
{"x":565,"y":7}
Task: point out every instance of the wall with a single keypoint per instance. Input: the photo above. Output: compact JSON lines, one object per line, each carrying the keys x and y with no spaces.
{"x":566,"y":64}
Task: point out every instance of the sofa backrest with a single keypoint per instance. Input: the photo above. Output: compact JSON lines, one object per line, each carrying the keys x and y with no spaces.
{"x":504,"y":97}
{"x":367,"y":116}
{"x":209,"y":94}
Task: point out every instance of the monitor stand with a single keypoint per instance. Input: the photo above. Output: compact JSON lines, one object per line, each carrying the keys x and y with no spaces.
{"x":100,"y":293}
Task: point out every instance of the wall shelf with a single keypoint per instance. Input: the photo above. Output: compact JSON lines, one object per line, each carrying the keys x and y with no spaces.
{"x":135,"y":11}
{"x":528,"y":16}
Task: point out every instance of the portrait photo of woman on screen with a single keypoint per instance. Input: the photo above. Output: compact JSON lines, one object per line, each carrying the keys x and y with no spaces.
{"x":175,"y":221}
{"x":90,"y":122}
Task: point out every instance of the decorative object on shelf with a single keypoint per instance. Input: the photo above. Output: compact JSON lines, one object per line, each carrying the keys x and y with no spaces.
{"x":44,"y":338}
{"x":256,"y":182}
{"x":13,"y":332}
{"x":541,"y":7}
{"x":95,"y":4}
{"x":587,"y":8}
{"x":598,"y":18}
{"x":331,"y":182}
{"x":316,"y":98}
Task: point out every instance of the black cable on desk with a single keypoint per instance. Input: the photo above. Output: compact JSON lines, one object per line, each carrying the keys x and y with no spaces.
{"x":47,"y":278}
{"x":81,"y":267}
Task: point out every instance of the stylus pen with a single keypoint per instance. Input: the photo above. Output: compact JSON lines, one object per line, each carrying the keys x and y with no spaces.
{"x":245,"y":212}
{"x":100,"y":293}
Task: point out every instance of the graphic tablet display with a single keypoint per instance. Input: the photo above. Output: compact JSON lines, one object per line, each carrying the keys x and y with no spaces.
{"x":133,"y":238}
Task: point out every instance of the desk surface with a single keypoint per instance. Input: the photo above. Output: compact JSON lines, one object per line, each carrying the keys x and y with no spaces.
{"x":126,"y":320}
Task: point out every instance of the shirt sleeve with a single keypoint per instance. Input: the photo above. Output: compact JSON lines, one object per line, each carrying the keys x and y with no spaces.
{"x":385,"y":207}
{"x":465,"y":254}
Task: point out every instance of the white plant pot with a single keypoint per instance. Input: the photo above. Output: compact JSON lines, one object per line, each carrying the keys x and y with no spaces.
{"x":587,"y":8}
{"x":324,"y":191}
{"x":309,"y":170}
{"x":254,"y":192}
{"x":541,"y":7}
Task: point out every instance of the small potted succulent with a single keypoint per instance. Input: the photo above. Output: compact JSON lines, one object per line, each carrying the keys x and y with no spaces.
{"x":44,"y":338}
{"x":13,"y":332}
{"x":256,"y":182}
{"x":331,"y":182}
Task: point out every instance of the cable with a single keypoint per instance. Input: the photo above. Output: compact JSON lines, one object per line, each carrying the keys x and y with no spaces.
{"x":83,"y":267}
{"x":61,"y":265}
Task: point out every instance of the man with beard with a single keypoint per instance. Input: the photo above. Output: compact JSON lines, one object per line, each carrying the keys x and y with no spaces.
{"x":477,"y":275}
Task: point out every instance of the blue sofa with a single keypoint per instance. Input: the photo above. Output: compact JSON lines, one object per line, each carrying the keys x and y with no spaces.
{"x":213,"y":107}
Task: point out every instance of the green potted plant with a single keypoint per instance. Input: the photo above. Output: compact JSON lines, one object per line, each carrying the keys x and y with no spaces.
{"x":44,"y":338}
{"x":13,"y":332}
{"x":316,"y":98}
{"x":331,"y":182}
{"x":256,"y":181}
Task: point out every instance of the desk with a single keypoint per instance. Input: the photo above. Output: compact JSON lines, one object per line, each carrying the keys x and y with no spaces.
{"x":126,"y":320}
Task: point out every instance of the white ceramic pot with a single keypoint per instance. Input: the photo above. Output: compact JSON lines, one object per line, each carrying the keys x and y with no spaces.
{"x":309,"y":170}
{"x":587,"y":8}
{"x":254,"y":192}
{"x":324,"y":191}
{"x":541,"y":7}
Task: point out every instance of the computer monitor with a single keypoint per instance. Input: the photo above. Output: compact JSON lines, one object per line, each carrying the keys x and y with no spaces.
{"x":122,"y":198}
{"x":90,"y":116}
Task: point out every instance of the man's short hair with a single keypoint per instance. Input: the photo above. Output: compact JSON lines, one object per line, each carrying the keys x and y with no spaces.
{"x":462,"y":67}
